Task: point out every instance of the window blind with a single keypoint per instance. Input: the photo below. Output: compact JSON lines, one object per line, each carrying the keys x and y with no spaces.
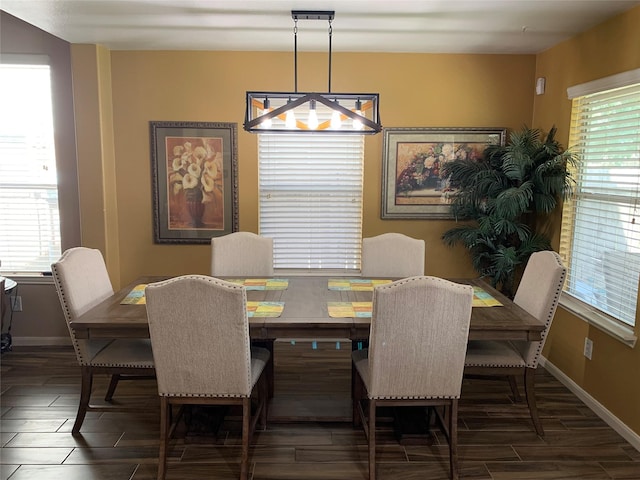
{"x":29,"y":216}
{"x":311,"y":199}
{"x":600,"y":238}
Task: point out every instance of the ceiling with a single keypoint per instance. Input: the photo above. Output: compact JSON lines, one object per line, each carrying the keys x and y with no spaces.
{"x":429,"y":26}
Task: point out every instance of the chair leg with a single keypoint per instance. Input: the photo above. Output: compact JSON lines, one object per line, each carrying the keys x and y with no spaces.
{"x":165,"y":415}
{"x":269,"y":368}
{"x":112,"y":387}
{"x":531,"y":399}
{"x":357,"y":394}
{"x":246,"y":417}
{"x":453,"y":439}
{"x":264,"y":401}
{"x":372,"y":439}
{"x":514,"y":388}
{"x":85,"y":398}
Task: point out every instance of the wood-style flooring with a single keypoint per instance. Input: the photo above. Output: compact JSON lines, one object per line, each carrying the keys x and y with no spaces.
{"x":40,"y":391}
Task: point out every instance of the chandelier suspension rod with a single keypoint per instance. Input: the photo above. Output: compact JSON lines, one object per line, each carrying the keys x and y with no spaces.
{"x":330,"y":34}
{"x":295,"y":53}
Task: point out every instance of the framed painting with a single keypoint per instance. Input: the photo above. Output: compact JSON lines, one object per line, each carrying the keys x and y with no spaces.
{"x":412,"y":182}
{"x":195,"y":181}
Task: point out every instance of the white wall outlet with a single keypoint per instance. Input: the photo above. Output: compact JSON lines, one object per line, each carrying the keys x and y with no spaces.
{"x":16,"y":303}
{"x":588,"y":347}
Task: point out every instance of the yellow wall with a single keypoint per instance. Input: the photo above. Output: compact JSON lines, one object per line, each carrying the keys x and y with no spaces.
{"x":611,"y":377}
{"x":415,"y":91}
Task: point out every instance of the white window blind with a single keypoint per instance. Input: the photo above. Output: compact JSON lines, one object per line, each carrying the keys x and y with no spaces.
{"x":29,"y":217}
{"x":601,"y":224}
{"x":311,"y":199}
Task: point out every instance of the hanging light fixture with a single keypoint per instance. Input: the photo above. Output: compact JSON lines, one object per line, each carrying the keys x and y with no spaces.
{"x":289,"y":112}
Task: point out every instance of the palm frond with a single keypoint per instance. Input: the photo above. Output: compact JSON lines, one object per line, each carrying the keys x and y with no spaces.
{"x":544,"y":203}
{"x":515,"y":201}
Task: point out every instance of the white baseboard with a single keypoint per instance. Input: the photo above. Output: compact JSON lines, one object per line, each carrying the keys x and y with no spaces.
{"x":614,"y":422}
{"x":40,"y":341}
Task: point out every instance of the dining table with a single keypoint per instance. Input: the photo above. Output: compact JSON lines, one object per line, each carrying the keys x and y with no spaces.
{"x":313,"y":308}
{"x":305,"y":312}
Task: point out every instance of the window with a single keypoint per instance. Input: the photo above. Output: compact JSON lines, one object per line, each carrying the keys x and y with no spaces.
{"x":29,"y":217}
{"x":601,"y":225}
{"x":311,"y":199}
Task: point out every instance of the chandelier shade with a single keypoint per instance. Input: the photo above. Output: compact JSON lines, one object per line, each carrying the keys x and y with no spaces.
{"x":310,"y":112}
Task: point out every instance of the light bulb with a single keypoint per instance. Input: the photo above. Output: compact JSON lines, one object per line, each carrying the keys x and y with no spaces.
{"x":312,"y":121}
{"x":267,"y":123}
{"x":357,"y":124}
{"x":290,"y":120}
{"x":336,"y":119}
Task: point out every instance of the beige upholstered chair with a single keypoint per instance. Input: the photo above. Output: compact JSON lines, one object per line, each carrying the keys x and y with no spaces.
{"x":242,"y":254}
{"x":200,"y":337}
{"x":82,"y":282}
{"x":245,"y":254}
{"x":392,"y":255}
{"x":538,"y":293}
{"x":419,"y":331}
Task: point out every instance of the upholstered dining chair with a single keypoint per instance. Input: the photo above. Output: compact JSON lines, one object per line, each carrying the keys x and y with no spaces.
{"x":200,"y":337}
{"x":82,"y":281}
{"x":538,"y":293}
{"x":242,"y":254}
{"x":419,"y":331}
{"x":245,"y":254}
{"x":392,"y":255}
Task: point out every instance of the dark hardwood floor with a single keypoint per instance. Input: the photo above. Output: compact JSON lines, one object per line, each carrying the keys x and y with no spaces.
{"x":40,"y":390}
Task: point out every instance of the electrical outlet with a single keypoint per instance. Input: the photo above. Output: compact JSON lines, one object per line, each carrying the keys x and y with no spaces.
{"x":588,"y":347}
{"x":16,"y":303}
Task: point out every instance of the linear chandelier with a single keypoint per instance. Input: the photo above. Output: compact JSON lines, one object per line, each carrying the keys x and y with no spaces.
{"x":304,"y":112}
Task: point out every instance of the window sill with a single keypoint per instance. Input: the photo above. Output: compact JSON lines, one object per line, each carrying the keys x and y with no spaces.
{"x":614,"y":328}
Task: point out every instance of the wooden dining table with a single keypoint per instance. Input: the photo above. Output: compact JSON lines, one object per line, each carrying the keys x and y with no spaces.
{"x":306,"y":315}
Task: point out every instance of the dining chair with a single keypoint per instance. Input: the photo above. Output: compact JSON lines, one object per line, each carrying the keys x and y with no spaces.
{"x":538,"y":293}
{"x":392,"y":255}
{"x":240,"y":254}
{"x":200,"y":338}
{"x":245,"y":254}
{"x":419,"y":330}
{"x":82,"y":282}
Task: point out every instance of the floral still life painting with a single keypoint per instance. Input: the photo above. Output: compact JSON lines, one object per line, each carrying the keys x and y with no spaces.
{"x":194,"y":181}
{"x":419,"y":176}
{"x":413,"y":183}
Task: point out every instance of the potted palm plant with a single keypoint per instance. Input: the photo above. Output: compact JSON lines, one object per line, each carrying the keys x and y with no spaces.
{"x":500,"y":198}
